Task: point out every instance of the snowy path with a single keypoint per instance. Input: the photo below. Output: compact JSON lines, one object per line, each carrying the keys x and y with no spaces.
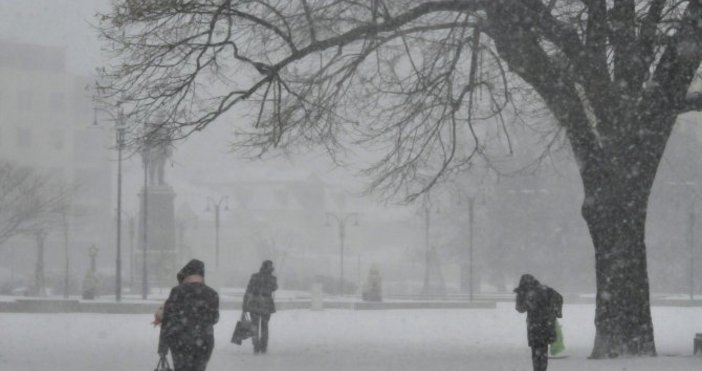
{"x":339,"y":340}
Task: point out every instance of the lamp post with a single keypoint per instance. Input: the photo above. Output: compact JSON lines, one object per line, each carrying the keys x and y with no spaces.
{"x":119,"y":139}
{"x":92,"y":253}
{"x":341,"y":221}
{"x":130,"y":232}
{"x":144,"y":234}
{"x":217,"y":205}
{"x":131,"y":229}
{"x":427,"y":224}
{"x":120,"y":145}
{"x":471,"y":214}
{"x":67,"y":264}
{"x":40,"y":280}
{"x":691,"y":244}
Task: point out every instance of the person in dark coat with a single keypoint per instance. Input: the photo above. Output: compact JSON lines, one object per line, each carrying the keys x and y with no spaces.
{"x":158,"y":318}
{"x":189,"y":315}
{"x":258,"y":301}
{"x":542,"y":305}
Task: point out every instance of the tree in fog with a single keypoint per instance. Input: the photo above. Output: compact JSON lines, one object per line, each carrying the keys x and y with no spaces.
{"x":30,"y":205}
{"x":29,"y":201}
{"x":428,"y":83}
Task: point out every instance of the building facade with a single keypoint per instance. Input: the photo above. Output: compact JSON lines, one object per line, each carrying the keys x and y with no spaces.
{"x":48,"y":123}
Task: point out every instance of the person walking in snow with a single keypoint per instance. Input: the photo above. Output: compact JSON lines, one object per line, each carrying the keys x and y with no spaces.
{"x":158,"y":318}
{"x":258,"y":301}
{"x":542,"y":305}
{"x":189,"y":315}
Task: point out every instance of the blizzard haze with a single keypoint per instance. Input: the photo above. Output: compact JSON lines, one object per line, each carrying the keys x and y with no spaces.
{"x":449,"y":260}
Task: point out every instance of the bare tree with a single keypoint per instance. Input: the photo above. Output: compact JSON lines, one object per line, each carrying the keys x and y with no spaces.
{"x":29,"y":201}
{"x":31,"y":204}
{"x":407,"y":77}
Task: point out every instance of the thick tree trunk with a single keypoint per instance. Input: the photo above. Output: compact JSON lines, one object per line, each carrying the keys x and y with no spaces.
{"x":615,"y":213}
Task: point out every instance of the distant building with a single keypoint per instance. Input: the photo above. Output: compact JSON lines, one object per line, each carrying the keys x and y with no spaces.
{"x":47,"y":123}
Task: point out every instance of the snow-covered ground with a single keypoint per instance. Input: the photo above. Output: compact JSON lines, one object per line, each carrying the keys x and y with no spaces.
{"x":338,"y":340}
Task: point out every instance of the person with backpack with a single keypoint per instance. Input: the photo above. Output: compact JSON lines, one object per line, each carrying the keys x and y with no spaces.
{"x":542,"y":305}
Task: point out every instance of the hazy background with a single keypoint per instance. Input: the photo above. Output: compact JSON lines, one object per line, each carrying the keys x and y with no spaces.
{"x":277,"y":208}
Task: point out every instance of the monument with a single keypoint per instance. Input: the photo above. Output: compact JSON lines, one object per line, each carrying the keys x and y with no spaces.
{"x":156,"y":218}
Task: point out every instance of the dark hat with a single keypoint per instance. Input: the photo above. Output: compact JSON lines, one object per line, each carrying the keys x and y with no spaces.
{"x":193,"y":267}
{"x":267,"y":265}
{"x":527,"y":281}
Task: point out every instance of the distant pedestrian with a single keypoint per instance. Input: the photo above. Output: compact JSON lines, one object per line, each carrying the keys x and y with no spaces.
{"x":189,"y":315}
{"x":258,"y":301}
{"x":542,"y":304}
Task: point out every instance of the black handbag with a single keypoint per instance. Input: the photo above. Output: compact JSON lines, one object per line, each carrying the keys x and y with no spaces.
{"x":244,"y":329}
{"x":163,"y":364}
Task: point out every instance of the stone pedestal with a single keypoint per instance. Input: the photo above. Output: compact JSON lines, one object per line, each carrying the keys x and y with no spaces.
{"x":159,"y":244}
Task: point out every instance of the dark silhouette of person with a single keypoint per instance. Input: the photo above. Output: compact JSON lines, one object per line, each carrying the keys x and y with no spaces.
{"x":258,"y":301}
{"x":189,"y":316}
{"x":542,"y":305}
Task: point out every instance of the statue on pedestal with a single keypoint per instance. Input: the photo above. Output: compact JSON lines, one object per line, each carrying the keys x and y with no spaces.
{"x":155,"y":153}
{"x":157,"y":245}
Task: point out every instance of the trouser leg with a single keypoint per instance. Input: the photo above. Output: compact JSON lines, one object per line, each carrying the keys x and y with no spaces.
{"x":256,"y":339}
{"x":203,"y":357}
{"x":263,"y":344}
{"x":539,"y":357}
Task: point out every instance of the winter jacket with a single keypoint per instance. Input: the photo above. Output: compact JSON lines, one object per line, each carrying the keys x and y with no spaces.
{"x":190,"y":313}
{"x":542,"y":305}
{"x":259,"y":293}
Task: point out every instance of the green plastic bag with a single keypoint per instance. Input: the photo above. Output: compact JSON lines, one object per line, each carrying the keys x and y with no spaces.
{"x":558,"y":345}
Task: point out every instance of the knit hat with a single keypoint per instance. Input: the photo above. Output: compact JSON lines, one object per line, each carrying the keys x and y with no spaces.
{"x":193,"y":267}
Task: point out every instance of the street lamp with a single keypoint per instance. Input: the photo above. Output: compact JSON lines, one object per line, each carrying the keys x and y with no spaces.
{"x":216,"y":205}
{"x":119,"y":138}
{"x":40,"y":280}
{"x":144,"y":234}
{"x":120,"y":146}
{"x":341,"y":221}
{"x":427,"y":249}
{"x":471,"y":215}
{"x":131,"y":230}
{"x":691,"y":244}
{"x":92,"y":253}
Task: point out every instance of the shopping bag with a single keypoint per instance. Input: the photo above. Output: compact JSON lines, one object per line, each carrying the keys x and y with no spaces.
{"x":244,"y":329}
{"x":163,"y":364}
{"x":558,"y":345}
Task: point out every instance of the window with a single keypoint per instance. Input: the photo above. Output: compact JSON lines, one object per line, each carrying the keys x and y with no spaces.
{"x":24,"y":137}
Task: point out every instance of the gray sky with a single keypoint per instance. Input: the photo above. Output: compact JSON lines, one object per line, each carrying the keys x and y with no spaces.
{"x":68,"y":24}
{"x":63,"y":23}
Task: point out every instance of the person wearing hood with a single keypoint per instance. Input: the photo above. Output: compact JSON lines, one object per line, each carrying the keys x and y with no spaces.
{"x":188,"y":320}
{"x":258,"y":301}
{"x":542,"y":305}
